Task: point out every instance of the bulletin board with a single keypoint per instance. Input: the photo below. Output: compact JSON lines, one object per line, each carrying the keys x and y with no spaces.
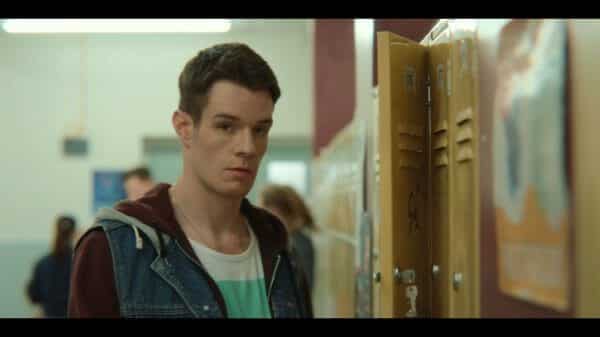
{"x":531,"y":192}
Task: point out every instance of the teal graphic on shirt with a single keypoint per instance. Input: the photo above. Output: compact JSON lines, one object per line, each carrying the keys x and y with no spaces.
{"x":240,"y":279}
{"x":245,"y":299}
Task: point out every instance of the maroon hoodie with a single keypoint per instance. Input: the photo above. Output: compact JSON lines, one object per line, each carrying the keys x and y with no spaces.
{"x":93,"y":291}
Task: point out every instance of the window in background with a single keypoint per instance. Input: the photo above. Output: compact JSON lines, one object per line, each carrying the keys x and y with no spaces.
{"x":287,"y":172}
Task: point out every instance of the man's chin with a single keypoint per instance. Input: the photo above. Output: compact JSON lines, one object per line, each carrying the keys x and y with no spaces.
{"x":236,"y":191}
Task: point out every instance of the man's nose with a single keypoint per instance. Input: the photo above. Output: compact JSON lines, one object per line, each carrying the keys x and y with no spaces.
{"x":246,"y":144}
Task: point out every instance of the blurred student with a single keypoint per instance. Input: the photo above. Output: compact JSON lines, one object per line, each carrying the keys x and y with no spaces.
{"x":137,"y":182}
{"x":50,"y":282}
{"x":285,"y":203}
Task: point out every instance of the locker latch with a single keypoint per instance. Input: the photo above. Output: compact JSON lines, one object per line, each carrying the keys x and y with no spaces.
{"x":407,"y":276}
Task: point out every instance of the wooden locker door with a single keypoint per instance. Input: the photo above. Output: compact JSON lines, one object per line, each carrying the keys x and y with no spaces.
{"x":585,"y":51}
{"x":403,"y":169}
{"x":464,"y":201}
{"x":439,"y":57}
{"x":582,"y":123}
{"x":372,"y":195}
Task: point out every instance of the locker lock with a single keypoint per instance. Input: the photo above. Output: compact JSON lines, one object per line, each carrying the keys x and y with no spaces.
{"x":457,"y":280}
{"x":407,"y":276}
{"x":435,"y":270}
{"x":377,"y":277}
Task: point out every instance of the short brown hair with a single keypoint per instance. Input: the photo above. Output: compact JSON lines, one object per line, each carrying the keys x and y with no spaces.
{"x":141,"y":172}
{"x":234,"y":62}
{"x":291,"y":205}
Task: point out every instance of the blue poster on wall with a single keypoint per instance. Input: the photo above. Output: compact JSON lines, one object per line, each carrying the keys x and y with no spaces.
{"x":108,"y":189}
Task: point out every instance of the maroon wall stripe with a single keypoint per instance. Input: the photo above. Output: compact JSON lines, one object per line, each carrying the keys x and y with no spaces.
{"x":335,"y":78}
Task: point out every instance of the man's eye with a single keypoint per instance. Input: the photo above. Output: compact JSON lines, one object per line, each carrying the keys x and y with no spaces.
{"x":225,"y":127}
{"x":261,"y":130}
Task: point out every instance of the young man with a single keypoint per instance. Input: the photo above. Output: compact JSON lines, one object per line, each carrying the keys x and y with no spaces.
{"x":137,"y":182}
{"x":199,"y":248}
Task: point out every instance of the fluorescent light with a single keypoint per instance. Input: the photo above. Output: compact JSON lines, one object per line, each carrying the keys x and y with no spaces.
{"x":468,"y":25}
{"x":116,"y":25}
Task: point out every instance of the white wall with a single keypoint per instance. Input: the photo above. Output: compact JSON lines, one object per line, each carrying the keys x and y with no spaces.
{"x":364,"y":44}
{"x":129,"y":91}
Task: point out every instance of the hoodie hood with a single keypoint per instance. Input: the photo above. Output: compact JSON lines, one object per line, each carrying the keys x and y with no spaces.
{"x":154,"y":212}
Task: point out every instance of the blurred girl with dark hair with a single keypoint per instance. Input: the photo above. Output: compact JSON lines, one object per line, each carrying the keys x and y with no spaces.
{"x":49,"y":285}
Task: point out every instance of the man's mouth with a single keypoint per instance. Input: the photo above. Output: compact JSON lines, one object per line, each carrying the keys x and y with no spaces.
{"x":241,"y":171}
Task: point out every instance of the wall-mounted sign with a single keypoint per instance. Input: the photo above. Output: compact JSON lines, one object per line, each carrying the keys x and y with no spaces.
{"x":531,"y":192}
{"x":108,"y":189}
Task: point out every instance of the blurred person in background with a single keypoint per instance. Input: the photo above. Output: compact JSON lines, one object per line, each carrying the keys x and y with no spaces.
{"x":137,"y":182}
{"x":50,"y":282}
{"x":285,"y":203}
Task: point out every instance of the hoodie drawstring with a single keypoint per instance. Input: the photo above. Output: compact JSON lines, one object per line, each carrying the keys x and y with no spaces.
{"x":138,"y":238}
{"x":161,"y":242}
{"x":139,"y":242}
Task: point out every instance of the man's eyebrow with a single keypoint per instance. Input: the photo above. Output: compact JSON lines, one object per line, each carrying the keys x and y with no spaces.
{"x":231,"y":117}
{"x":265,"y":121}
{"x":224,"y":115}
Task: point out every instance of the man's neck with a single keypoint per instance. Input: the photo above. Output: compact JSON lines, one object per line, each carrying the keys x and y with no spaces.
{"x":205,"y":210}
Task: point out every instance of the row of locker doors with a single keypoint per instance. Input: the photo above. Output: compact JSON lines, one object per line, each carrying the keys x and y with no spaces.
{"x":428,"y":258}
{"x":432,"y":168}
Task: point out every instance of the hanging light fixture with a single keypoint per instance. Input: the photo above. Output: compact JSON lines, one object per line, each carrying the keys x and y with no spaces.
{"x":41,"y":26}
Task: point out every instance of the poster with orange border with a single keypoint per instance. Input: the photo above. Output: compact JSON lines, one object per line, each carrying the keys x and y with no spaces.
{"x":531,"y":192}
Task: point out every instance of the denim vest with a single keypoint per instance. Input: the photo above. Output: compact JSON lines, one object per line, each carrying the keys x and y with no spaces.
{"x":168,"y":283}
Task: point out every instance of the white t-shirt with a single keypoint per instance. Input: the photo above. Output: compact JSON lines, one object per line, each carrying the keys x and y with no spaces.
{"x":239,"y":277}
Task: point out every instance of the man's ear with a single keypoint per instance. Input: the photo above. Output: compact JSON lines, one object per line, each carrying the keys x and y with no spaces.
{"x":184,"y":127}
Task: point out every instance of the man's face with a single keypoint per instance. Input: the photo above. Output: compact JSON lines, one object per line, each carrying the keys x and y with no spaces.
{"x":136,"y":187}
{"x":227,"y":145}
